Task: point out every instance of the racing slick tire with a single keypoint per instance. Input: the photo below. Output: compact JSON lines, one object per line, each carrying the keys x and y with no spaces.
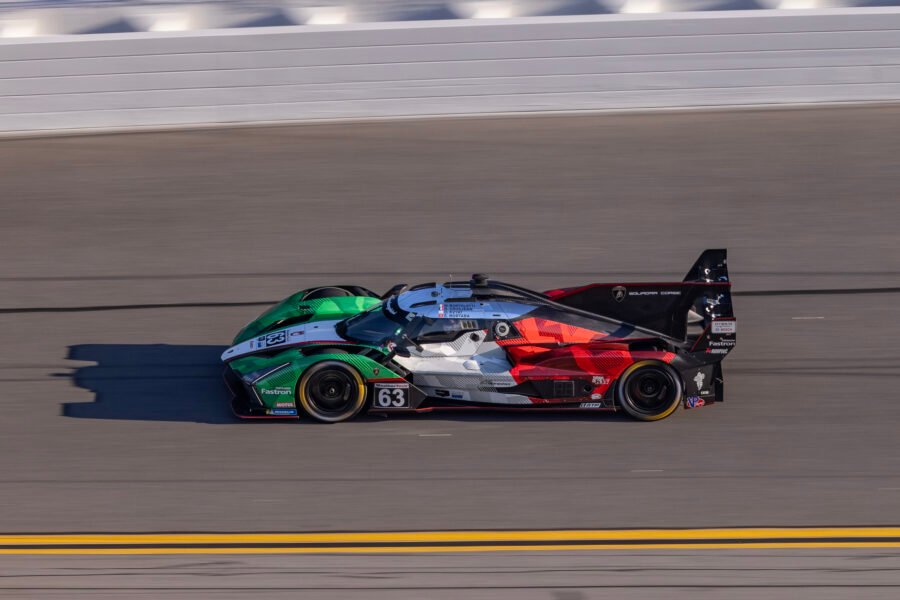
{"x":331,"y":391}
{"x":649,"y":390}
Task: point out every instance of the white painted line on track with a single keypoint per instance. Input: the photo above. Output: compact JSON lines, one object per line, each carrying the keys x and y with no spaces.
{"x":714,"y":108}
{"x":435,"y":435}
{"x":805,"y":318}
{"x":646,"y":470}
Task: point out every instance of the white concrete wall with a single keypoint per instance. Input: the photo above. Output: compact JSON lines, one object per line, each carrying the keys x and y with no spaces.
{"x":603,"y":62}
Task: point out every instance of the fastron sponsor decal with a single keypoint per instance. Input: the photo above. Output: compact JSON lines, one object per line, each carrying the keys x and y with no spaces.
{"x":726,"y":343}
{"x":280,"y":391}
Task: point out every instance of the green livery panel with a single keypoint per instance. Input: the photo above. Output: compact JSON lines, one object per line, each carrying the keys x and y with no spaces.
{"x":295,"y":311}
{"x":273,"y":379}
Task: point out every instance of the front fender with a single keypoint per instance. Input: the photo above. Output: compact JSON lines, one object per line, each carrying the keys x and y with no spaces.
{"x":277,"y":388}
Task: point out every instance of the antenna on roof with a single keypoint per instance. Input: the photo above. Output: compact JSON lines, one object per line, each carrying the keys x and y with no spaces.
{"x":479,"y":280}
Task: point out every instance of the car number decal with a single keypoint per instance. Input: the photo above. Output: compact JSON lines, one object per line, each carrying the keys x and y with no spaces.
{"x":392,"y":395}
{"x":272,"y":339}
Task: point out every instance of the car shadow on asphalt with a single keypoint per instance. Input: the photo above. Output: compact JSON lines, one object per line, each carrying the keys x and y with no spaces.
{"x":151,"y":382}
{"x":162,"y":382}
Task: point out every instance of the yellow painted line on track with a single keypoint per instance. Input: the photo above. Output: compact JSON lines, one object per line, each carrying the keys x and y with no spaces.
{"x":450,"y":541}
{"x":451,"y":536}
{"x":433,"y":549}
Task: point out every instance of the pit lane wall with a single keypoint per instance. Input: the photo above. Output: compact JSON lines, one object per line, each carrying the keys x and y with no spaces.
{"x":599,"y":62}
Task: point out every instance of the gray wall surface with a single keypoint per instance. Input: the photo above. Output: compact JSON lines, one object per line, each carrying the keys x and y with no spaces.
{"x":607,"y":62}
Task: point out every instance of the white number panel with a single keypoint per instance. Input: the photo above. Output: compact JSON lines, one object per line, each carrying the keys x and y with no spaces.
{"x":391,"y":395}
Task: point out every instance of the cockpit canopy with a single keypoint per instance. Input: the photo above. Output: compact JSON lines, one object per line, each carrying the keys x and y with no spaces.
{"x":434,"y":312}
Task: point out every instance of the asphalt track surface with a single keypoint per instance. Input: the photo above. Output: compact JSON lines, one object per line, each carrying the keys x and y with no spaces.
{"x":128,"y":261}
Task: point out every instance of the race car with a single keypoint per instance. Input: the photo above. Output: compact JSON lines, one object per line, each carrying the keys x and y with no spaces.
{"x":334,"y":352}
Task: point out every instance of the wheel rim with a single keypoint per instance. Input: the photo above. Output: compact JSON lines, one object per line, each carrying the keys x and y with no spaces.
{"x":332,"y":393}
{"x":651,"y":390}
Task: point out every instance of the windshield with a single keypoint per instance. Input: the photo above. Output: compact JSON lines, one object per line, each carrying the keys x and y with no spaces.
{"x":372,"y":327}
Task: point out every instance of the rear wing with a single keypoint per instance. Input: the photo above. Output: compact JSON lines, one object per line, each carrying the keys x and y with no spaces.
{"x":682,"y":311}
{"x":710,"y":321}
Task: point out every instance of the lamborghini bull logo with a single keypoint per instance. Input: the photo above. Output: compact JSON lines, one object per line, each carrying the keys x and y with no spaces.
{"x":619,"y":292}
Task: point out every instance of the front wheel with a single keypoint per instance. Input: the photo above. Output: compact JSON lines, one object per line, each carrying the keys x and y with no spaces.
{"x":331,"y":391}
{"x":649,"y":390}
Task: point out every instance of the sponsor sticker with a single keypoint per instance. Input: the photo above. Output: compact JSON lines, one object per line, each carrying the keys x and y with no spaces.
{"x":619,"y":292}
{"x":599,"y":380}
{"x":699,"y":378}
{"x":591,"y":405}
{"x":726,"y":343}
{"x":282,"y":412}
{"x":694,"y":402}
{"x":284,"y":405}
{"x":724,"y":326}
{"x":279,"y":391}
{"x":462,"y":310}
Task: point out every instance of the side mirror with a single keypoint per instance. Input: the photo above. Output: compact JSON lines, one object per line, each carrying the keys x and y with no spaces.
{"x":402,"y":351}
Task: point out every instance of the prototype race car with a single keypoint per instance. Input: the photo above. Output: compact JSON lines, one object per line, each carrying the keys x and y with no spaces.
{"x":334,"y":352}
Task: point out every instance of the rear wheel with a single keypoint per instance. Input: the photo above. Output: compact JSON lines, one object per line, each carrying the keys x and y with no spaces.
{"x":331,"y":391}
{"x":649,"y":390}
